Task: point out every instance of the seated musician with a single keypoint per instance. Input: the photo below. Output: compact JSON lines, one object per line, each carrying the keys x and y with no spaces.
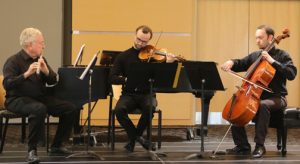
{"x":25,"y":77}
{"x":269,"y":102}
{"x":131,"y":99}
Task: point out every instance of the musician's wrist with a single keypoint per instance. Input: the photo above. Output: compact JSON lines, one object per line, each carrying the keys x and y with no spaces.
{"x":47,"y":72}
{"x":26,"y":74}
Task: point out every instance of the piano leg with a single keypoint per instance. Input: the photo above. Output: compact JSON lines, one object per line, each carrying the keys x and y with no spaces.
{"x":205,"y":112}
{"x":206,"y":99}
{"x":191,"y":131}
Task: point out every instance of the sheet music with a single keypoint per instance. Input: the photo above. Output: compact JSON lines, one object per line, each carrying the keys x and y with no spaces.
{"x":79,"y":55}
{"x":92,"y":62}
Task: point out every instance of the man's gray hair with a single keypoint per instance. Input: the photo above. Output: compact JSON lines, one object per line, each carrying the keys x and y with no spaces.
{"x":28,"y":35}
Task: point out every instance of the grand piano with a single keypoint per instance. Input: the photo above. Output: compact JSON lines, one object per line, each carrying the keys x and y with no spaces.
{"x":71,"y":88}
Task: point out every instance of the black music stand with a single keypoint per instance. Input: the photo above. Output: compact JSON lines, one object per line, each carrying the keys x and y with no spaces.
{"x":203,"y":76}
{"x":87,"y":73}
{"x":151,"y":77}
{"x":72,"y":89}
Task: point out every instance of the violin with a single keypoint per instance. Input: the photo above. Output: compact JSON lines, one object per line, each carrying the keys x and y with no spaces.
{"x":243,"y":105}
{"x":149,"y":52}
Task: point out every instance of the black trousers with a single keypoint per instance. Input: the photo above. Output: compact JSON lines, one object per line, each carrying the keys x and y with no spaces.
{"x":130,"y":102}
{"x":77,"y":127}
{"x":261,"y":119}
{"x":36,"y":109}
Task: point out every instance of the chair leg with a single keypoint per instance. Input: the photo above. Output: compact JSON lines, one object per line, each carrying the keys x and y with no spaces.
{"x":23,"y":130}
{"x":1,"y":127}
{"x":279,"y":138}
{"x":4,"y":134}
{"x":284,"y":138}
{"x":109,"y":121}
{"x":109,"y":128}
{"x":113,"y":131}
{"x":159,"y":129}
{"x":47,"y":134}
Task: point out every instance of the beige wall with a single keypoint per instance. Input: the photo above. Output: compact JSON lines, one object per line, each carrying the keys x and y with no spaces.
{"x":226,"y":30}
{"x":110,"y":24}
{"x":209,"y":30}
{"x":46,"y":15}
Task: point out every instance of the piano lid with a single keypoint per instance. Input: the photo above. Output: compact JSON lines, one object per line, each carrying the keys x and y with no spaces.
{"x":71,"y":88}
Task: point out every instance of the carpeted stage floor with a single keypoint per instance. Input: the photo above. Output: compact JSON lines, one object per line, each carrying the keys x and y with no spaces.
{"x":175,"y":148}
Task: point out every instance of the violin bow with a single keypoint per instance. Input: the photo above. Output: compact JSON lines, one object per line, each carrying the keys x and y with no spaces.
{"x":155,"y":44}
{"x":158,"y":38}
{"x":250,"y":82}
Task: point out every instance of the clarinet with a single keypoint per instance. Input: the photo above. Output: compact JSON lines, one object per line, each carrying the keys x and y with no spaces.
{"x":38,"y":69}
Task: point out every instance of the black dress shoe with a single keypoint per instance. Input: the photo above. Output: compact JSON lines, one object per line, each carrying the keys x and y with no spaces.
{"x":239,"y":150}
{"x":259,"y":151}
{"x":146,"y":144}
{"x":32,"y":157}
{"x":130,"y":146}
{"x":78,"y":140}
{"x":59,"y":151}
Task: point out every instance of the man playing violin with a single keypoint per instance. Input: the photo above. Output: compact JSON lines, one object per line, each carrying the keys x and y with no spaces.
{"x":269,"y":102}
{"x":131,"y":100}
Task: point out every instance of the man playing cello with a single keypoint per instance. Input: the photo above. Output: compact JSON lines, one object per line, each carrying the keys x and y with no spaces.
{"x":269,"y":102}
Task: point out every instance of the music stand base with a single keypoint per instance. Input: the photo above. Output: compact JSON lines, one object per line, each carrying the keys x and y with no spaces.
{"x":154,"y":156}
{"x":215,"y":156}
{"x":79,"y":139}
{"x":195,"y":155}
{"x":86,"y":154}
{"x":161,"y":154}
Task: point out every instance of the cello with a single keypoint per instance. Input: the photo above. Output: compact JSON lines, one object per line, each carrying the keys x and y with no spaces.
{"x":243,"y":105}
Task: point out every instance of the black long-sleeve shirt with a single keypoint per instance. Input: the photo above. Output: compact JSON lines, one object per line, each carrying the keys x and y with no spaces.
{"x":120,"y":69}
{"x":121,"y":65}
{"x":285,"y":70}
{"x":16,"y":85}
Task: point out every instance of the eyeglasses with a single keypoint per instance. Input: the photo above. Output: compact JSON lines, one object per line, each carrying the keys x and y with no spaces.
{"x":141,"y":41}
